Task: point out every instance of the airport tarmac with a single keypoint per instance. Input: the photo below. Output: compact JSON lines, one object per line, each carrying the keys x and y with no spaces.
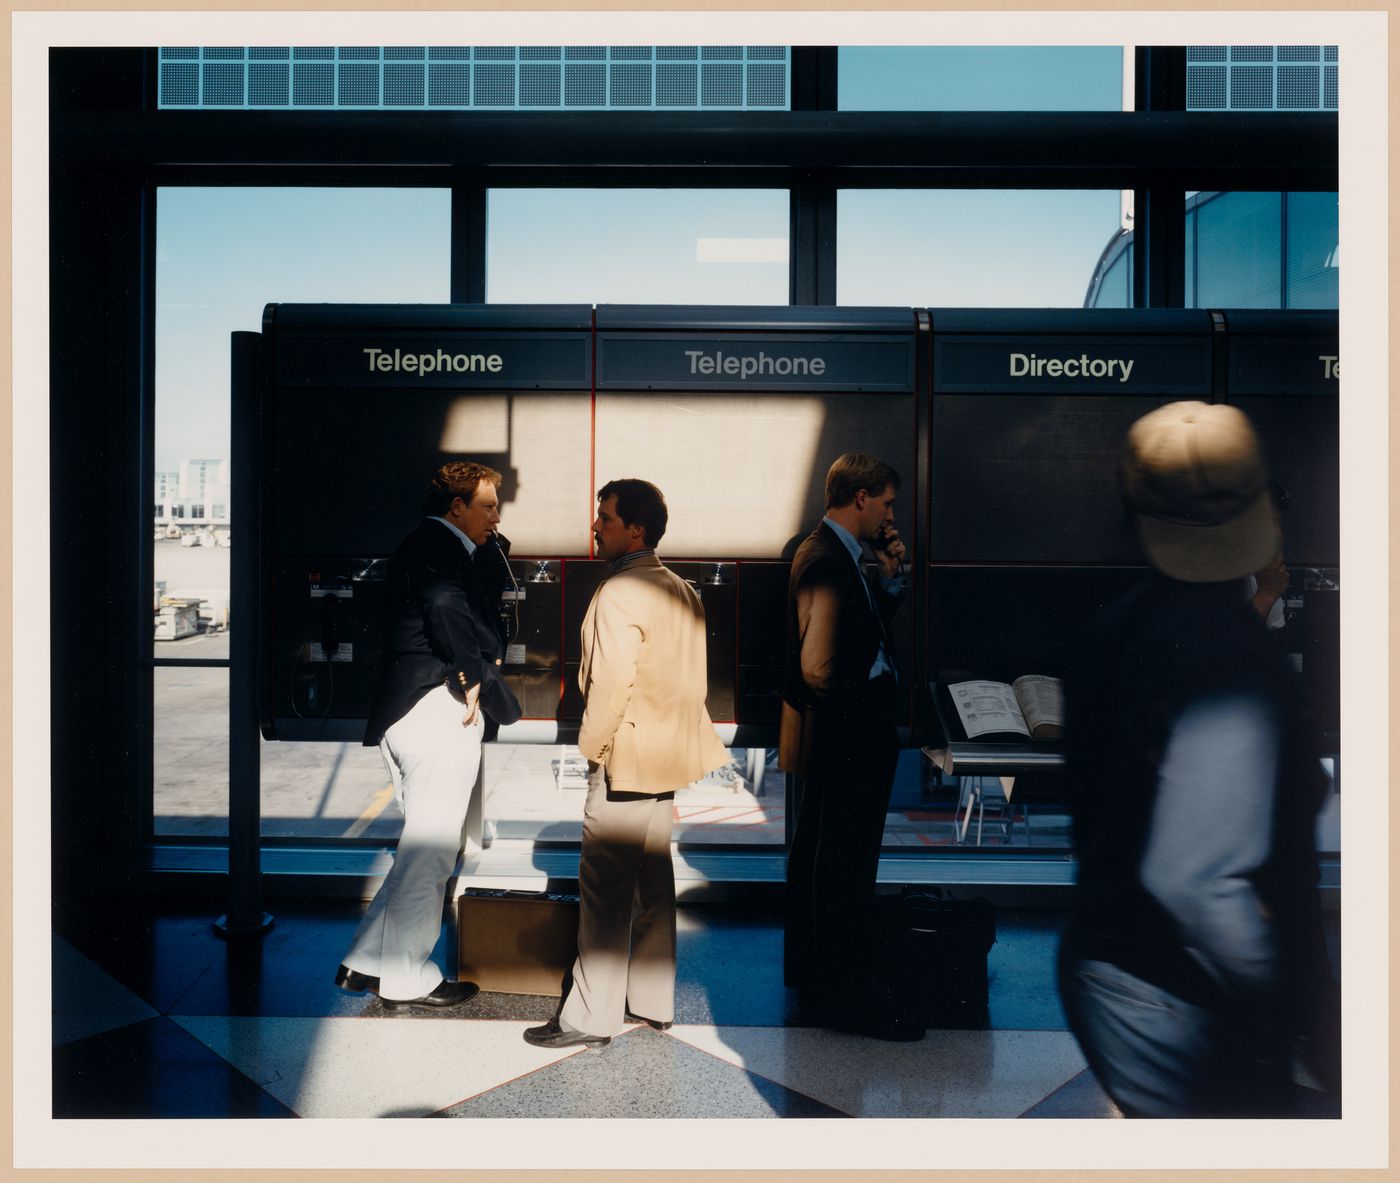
{"x":341,"y":790}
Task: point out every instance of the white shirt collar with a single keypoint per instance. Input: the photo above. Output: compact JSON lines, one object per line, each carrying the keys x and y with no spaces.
{"x":467,"y":542}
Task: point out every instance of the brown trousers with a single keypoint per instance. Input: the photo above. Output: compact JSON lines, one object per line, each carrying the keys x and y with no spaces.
{"x":627,"y":911}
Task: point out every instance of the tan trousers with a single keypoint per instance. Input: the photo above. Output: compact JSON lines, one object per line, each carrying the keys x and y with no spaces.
{"x":627,"y":911}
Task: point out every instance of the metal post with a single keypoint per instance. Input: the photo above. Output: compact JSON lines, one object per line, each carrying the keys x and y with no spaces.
{"x":245,"y":916}
{"x":812,"y":221}
{"x":468,"y":266}
{"x":1159,"y":212}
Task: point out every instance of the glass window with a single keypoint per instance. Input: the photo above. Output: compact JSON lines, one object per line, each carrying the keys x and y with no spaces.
{"x":637,"y":246}
{"x":980,"y":78}
{"x":989,"y":248}
{"x":222,"y":254}
{"x":1238,"y":246}
{"x":327,"y":790}
{"x":1310,"y":230}
{"x":190,"y":732}
{"x":322,"y":790}
{"x":1261,"y":250}
{"x":535,"y":792}
{"x":1115,"y":287}
{"x":1118,"y":283}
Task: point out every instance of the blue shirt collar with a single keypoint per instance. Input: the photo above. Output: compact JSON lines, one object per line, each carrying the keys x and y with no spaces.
{"x":628,"y":559}
{"x":467,"y":542}
{"x":848,"y":540}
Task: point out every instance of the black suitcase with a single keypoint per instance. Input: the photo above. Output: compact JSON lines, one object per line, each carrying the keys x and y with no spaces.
{"x":932,"y":955}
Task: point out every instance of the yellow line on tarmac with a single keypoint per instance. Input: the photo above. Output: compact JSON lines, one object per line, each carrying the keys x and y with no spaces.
{"x":376,"y":807}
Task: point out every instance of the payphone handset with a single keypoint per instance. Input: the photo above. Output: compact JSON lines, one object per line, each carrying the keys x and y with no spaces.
{"x":884,"y":539}
{"x":509,"y":605}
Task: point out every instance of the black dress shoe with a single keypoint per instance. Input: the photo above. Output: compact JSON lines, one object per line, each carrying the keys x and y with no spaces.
{"x":551,"y":1034}
{"x":357,"y":983}
{"x":444,"y":994}
{"x":654,"y":1024}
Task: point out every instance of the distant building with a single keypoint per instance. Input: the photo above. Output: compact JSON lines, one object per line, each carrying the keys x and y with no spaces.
{"x":1243,"y":250}
{"x":196,"y":497}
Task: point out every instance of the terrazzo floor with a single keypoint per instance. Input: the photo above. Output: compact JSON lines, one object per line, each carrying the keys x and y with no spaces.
{"x":155,"y":1016}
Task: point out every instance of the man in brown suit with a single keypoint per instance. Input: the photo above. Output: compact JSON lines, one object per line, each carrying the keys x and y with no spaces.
{"x":838,"y":735}
{"x":646,"y":733}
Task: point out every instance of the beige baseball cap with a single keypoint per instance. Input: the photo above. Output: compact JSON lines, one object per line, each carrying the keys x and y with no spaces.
{"x":1195,"y":479}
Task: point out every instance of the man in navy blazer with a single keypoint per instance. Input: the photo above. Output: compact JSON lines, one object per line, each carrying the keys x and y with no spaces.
{"x":440,"y":694}
{"x":838,"y":735}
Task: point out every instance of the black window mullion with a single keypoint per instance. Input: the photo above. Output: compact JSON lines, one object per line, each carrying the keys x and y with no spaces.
{"x":468,"y":231}
{"x":1159,"y":212}
{"x":812,"y":242}
{"x":814,"y":78}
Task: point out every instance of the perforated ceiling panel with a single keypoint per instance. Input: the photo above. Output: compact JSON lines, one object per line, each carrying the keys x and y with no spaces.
{"x":1261,"y":78}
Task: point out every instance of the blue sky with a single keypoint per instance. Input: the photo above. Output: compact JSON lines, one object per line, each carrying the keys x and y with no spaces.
{"x":980,"y":78}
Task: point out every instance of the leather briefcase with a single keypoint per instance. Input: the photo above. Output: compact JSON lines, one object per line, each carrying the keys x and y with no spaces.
{"x":931,"y":955}
{"x":516,"y":942}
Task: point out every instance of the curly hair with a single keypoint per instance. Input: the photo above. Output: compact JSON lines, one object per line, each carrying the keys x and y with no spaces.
{"x":456,"y":478}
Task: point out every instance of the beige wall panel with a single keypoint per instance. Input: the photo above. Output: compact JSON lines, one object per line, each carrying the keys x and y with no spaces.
{"x":544,"y":439}
{"x":743,"y":473}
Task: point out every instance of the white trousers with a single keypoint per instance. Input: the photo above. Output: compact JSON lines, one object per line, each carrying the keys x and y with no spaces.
{"x":434,"y":762}
{"x":627,"y":911}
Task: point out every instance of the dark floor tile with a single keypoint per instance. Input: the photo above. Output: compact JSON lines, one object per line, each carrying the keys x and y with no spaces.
{"x":1080,"y":1096}
{"x":152,"y":1069}
{"x":642,"y":1073}
{"x":176,"y":960}
{"x":289,"y":970}
{"x":156,"y":955}
{"x":730,"y":971}
{"x":86,"y":999}
{"x":1022,"y":993}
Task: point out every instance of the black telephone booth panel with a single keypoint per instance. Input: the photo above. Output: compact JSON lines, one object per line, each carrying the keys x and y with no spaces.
{"x":1284,"y":372}
{"x":1030,"y":409}
{"x":1027,"y":534}
{"x":736,"y":414}
{"x":360,"y":404}
{"x":1004,"y":622}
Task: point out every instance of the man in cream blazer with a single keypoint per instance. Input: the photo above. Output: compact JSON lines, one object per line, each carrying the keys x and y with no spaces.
{"x":646,"y":733}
